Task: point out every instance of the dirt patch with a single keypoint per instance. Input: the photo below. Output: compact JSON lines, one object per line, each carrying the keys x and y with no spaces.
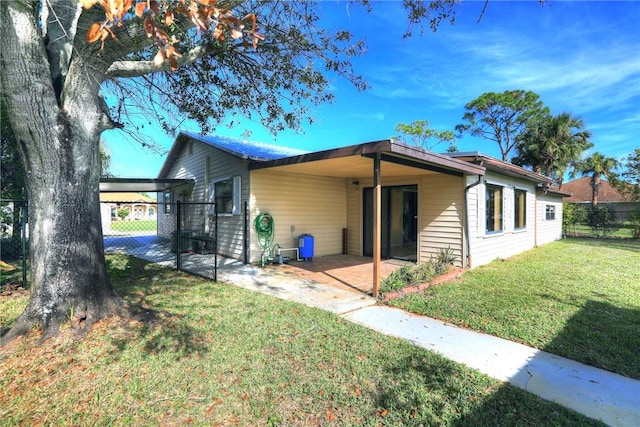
{"x":12,"y":291}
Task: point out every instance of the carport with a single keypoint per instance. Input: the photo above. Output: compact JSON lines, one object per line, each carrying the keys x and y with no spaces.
{"x":139,"y":242}
{"x":140,"y":185}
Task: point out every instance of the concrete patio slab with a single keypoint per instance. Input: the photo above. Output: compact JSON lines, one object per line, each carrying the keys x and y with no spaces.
{"x":284,"y":285}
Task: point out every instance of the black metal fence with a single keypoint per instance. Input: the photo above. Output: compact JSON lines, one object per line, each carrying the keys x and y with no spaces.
{"x":183,"y":237}
{"x":14,"y":245}
{"x":195,"y":238}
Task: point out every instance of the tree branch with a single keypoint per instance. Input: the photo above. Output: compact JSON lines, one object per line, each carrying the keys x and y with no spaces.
{"x":140,"y":68}
{"x":59,"y":26}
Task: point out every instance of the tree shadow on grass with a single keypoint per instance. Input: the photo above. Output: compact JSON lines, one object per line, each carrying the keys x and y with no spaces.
{"x":600,"y":335}
{"x":138,"y":281}
{"x":430,"y":390}
{"x":169,"y":336}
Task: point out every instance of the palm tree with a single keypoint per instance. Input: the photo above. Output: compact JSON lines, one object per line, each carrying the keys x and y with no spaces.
{"x":597,"y":166}
{"x":550,"y":144}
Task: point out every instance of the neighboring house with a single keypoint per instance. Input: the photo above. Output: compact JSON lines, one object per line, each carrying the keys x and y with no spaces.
{"x":582,"y":194}
{"x":479,"y":207}
{"x":139,"y":207}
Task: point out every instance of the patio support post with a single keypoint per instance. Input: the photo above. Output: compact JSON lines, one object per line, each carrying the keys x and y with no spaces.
{"x":377,"y":211}
{"x":178,"y":235}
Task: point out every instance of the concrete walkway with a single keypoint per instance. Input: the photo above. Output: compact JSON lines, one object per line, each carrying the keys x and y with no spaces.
{"x":596,"y":393}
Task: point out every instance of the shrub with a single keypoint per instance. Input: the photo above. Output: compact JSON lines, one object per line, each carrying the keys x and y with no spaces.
{"x":572,"y":215}
{"x":602,"y":220}
{"x":415,"y":274}
{"x":634,"y":219}
{"x":123,"y":213}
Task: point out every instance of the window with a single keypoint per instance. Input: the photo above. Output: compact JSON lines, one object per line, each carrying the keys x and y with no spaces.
{"x":550,"y":212}
{"x":167,"y":201}
{"x":494,"y":208}
{"x":226,"y":194}
{"x":520,"y":209}
{"x":152,"y":212}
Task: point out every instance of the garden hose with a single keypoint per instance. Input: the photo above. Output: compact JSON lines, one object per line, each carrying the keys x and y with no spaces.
{"x":265,"y":229}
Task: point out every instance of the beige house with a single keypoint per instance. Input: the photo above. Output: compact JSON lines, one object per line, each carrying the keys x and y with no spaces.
{"x":383,"y":199}
{"x":139,"y":207}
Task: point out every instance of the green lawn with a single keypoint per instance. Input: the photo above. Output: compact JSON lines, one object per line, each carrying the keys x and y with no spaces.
{"x":577,"y":298}
{"x":624,"y":232}
{"x":221,"y":355}
{"x":140,"y":225}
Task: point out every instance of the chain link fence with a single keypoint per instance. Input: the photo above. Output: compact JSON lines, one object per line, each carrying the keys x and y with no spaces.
{"x":184,"y":236}
{"x":181,"y":235}
{"x":14,"y":244}
{"x":132,"y":229}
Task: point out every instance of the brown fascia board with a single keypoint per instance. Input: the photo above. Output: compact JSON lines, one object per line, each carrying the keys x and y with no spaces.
{"x":441,"y":160}
{"x":352,"y":150}
{"x":555,"y":191}
{"x":368,"y":149}
{"x":506,"y":168}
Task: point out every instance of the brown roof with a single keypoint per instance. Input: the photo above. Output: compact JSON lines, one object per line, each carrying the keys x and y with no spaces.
{"x":355,"y":160}
{"x":125,"y":198}
{"x":581,"y":191}
{"x":554,"y":190}
{"x":505,"y":168}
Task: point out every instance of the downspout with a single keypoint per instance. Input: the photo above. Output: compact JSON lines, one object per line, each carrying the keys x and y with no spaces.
{"x":466,"y":219}
{"x":535,"y":221}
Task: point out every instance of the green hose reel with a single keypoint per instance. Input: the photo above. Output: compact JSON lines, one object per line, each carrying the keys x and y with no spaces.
{"x":265,"y":229}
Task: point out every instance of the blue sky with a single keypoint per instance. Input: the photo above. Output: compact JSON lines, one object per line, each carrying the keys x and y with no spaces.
{"x":581,"y":57}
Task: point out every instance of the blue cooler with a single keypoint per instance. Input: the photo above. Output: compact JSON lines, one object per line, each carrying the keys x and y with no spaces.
{"x":305,"y":246}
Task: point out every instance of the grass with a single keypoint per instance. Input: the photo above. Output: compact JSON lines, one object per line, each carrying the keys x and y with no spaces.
{"x":577,"y":298}
{"x":138,"y":225}
{"x":221,"y":355}
{"x":624,"y":232}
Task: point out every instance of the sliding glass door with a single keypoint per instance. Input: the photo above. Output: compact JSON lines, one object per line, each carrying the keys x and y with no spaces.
{"x":399,"y":222}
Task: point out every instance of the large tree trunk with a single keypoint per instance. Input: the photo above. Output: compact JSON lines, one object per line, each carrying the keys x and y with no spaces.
{"x":68,"y":273}
{"x":58,"y":128}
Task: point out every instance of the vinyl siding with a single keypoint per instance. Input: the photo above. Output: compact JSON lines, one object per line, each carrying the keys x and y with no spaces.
{"x":440,"y":212}
{"x":485,"y":247}
{"x":299,"y":204}
{"x":354,"y":217}
{"x":441,"y":216}
{"x":548,"y":230}
{"x":192,"y":164}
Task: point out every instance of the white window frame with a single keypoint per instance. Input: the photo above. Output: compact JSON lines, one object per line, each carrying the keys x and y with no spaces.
{"x":546,"y":212}
{"x":167,"y":201}
{"x":236,"y":189}
{"x":515,"y":203}
{"x":486,"y":210}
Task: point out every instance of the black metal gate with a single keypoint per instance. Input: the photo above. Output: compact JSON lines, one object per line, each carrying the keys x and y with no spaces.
{"x":195,"y":239}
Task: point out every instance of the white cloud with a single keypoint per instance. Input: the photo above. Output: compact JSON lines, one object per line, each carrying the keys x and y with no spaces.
{"x":367,"y":116}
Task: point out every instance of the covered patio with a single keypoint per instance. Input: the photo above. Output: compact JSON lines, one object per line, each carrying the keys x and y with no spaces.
{"x":397,"y":201}
{"x":348,"y":272}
